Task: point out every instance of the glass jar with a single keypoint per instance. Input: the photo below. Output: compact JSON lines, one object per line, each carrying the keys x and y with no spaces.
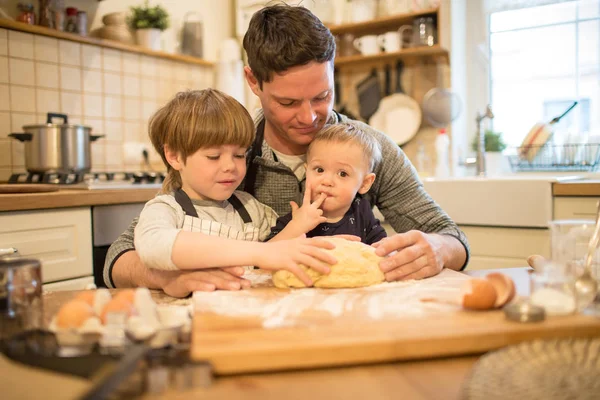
{"x":27,"y":15}
{"x":21,"y":305}
{"x":553,"y":288}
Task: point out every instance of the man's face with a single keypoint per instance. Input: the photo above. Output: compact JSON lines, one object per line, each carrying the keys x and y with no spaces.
{"x":296,"y":104}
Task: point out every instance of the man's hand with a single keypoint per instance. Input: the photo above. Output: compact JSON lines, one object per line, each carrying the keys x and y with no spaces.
{"x":291,"y":254}
{"x":412,"y":255}
{"x":182,"y":283}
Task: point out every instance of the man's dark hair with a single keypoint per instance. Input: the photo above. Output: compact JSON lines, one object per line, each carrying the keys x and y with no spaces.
{"x":283,"y":36}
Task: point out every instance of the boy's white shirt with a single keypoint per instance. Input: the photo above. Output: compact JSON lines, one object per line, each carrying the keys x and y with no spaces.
{"x":162,"y":219}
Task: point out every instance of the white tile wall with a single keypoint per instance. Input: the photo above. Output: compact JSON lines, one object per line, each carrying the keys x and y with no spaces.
{"x":46,"y":75}
{"x":22,"y":98}
{"x":3,"y":42}
{"x":69,"y":53}
{"x":21,"y":72}
{"x":46,"y":49}
{"x":71,"y":104}
{"x":5,"y":98}
{"x":112,"y":83}
{"x":4,"y":124}
{"x":18,"y":121}
{"x":20,"y":45}
{"x":70,"y":78}
{"x":91,"y":56}
{"x":47,"y":99}
{"x":5,"y":149}
{"x":113,"y":91}
{"x":4,"y":69}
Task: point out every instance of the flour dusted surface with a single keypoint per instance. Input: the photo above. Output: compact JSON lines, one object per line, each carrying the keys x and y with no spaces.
{"x":278,"y":308}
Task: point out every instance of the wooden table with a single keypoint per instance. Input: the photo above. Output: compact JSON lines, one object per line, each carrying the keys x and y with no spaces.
{"x":424,"y":379}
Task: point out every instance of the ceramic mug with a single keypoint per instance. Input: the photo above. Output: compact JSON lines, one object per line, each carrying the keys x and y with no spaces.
{"x":367,"y":44}
{"x":389,"y":41}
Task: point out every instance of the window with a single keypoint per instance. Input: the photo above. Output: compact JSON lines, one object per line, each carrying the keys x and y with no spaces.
{"x":542,"y":59}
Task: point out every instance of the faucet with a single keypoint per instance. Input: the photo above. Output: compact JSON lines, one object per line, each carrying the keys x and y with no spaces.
{"x":481,"y":140}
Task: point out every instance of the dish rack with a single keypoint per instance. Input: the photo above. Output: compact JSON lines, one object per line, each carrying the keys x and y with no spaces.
{"x":551,"y":157}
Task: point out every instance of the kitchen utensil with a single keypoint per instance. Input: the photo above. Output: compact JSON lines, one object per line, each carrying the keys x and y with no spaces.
{"x":369,"y":95}
{"x":21,"y":305}
{"x":192,"y":35}
{"x":398,"y":115}
{"x":339,"y":106}
{"x":538,"y":136}
{"x":440,"y":106}
{"x":586,"y":286}
{"x":57,"y":147}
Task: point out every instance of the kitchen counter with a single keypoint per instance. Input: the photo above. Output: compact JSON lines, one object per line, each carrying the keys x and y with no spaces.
{"x":79,"y":198}
{"x":73,"y":198}
{"x":577,"y":188}
{"x":423,"y":379}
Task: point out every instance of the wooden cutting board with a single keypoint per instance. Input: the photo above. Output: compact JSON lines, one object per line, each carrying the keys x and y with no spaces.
{"x":266,"y":329}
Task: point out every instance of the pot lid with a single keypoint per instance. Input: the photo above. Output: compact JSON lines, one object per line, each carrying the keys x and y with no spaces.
{"x":61,"y":126}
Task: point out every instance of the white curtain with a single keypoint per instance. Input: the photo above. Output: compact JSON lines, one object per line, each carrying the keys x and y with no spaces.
{"x":492,"y":6}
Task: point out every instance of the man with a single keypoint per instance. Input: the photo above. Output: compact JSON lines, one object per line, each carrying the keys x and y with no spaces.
{"x":290,"y":56}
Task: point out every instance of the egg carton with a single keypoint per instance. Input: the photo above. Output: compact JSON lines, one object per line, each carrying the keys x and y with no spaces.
{"x":550,"y":157}
{"x":115,"y":322}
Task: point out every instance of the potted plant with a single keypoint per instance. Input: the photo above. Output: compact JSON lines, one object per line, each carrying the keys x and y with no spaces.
{"x":494,"y":146}
{"x":148,"y":22}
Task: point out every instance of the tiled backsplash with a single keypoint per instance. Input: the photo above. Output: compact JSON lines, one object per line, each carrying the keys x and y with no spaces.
{"x":115,"y":92}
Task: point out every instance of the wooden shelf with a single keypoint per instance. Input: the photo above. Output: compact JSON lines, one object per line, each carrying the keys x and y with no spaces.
{"x":382,"y":58}
{"x":41,"y":30}
{"x":380,"y":24}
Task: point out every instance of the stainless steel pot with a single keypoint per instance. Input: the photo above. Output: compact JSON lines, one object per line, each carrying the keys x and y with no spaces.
{"x":57,"y":148}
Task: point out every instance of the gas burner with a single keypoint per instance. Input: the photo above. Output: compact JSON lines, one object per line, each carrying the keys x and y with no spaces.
{"x":93,"y":180}
{"x":48,"y":178}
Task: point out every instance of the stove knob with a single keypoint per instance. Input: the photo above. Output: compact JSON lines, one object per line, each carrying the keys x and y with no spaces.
{"x":151,"y":176}
{"x":138,"y":177}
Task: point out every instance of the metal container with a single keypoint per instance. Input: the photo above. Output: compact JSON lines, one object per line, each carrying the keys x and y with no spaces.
{"x":57,"y":148}
{"x":21,"y":306}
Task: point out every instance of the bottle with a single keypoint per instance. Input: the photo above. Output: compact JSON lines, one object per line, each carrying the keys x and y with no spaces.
{"x":71,"y":20}
{"x":442,"y":147}
{"x":423,"y":161}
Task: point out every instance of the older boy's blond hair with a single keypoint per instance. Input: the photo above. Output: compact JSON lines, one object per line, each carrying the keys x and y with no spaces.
{"x":350,"y":132}
{"x":197,"y":119}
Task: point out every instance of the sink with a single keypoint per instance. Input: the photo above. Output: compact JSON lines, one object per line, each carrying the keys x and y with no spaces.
{"x":505,"y":200}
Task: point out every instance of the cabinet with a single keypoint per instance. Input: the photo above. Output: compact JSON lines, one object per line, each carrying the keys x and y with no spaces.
{"x":498,"y":247}
{"x":61,"y":239}
{"x":575,"y":207}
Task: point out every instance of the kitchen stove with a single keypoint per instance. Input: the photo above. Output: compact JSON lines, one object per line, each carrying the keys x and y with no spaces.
{"x":93,"y":180}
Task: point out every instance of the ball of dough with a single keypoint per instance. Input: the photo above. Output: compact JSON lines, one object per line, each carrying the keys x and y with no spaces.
{"x":357,"y":266}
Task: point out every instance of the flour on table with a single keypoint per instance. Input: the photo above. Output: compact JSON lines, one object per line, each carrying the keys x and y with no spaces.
{"x":278,"y":308}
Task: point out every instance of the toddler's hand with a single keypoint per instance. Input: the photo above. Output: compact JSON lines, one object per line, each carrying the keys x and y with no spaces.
{"x":290,"y":254}
{"x":310,"y":215}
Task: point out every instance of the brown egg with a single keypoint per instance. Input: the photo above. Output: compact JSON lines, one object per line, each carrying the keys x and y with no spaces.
{"x":73,"y":314}
{"x":127,"y":294}
{"x":88,"y":296}
{"x":117,"y":305}
{"x":478,"y":294}
{"x":504,"y":286}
